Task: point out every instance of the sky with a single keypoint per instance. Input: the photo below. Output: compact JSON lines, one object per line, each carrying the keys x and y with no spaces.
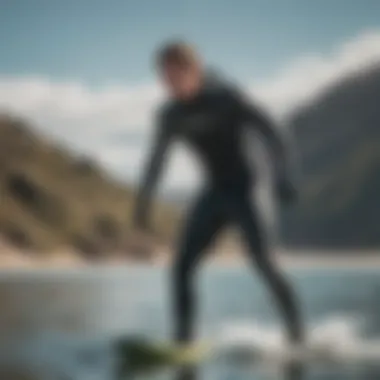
{"x":81,"y":70}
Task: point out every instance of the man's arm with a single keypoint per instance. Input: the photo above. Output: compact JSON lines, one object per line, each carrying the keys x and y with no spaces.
{"x":257,"y":118}
{"x":151,"y":173}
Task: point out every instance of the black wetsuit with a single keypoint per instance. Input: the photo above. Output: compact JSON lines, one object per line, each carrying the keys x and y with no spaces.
{"x":212,"y":124}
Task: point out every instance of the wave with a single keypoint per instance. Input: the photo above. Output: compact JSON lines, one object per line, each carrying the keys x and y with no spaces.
{"x":337,"y":340}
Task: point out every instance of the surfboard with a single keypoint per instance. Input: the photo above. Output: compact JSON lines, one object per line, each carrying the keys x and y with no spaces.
{"x":138,"y":355}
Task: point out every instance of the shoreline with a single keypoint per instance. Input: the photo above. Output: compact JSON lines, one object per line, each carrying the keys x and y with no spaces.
{"x":312,"y":259}
{"x":11,"y":261}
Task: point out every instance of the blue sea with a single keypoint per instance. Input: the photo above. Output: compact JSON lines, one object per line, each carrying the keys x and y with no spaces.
{"x":341,"y":309}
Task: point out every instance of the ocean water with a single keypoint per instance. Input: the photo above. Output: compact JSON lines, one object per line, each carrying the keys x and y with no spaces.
{"x":58,"y":315}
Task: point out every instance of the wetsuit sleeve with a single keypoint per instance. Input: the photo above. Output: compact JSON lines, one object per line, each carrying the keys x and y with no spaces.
{"x":260,"y":121}
{"x":152,"y":171}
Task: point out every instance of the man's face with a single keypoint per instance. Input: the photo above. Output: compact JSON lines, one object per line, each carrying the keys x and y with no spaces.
{"x":182,"y":82}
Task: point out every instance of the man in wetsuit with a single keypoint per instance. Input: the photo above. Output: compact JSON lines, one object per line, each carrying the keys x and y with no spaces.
{"x":210,"y":115}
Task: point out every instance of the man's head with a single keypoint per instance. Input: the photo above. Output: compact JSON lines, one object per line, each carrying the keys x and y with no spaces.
{"x":180,"y":69}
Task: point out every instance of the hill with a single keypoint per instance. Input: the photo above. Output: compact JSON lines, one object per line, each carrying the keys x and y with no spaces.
{"x":338,"y":138}
{"x":53,"y":199}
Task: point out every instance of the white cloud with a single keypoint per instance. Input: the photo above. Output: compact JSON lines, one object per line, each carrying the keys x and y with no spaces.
{"x":112,"y":123}
{"x":306,"y":78}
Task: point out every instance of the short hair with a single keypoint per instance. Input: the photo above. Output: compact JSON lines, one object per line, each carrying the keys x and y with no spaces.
{"x":178,"y":53}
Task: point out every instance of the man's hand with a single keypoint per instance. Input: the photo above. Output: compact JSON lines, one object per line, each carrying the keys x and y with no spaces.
{"x":286,"y":191}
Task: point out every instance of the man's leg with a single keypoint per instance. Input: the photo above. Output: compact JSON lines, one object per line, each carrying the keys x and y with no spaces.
{"x":203,"y":223}
{"x":247,"y":218}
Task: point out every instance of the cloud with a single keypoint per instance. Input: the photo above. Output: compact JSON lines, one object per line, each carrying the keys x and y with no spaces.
{"x":113,"y":123}
{"x":306,"y":78}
